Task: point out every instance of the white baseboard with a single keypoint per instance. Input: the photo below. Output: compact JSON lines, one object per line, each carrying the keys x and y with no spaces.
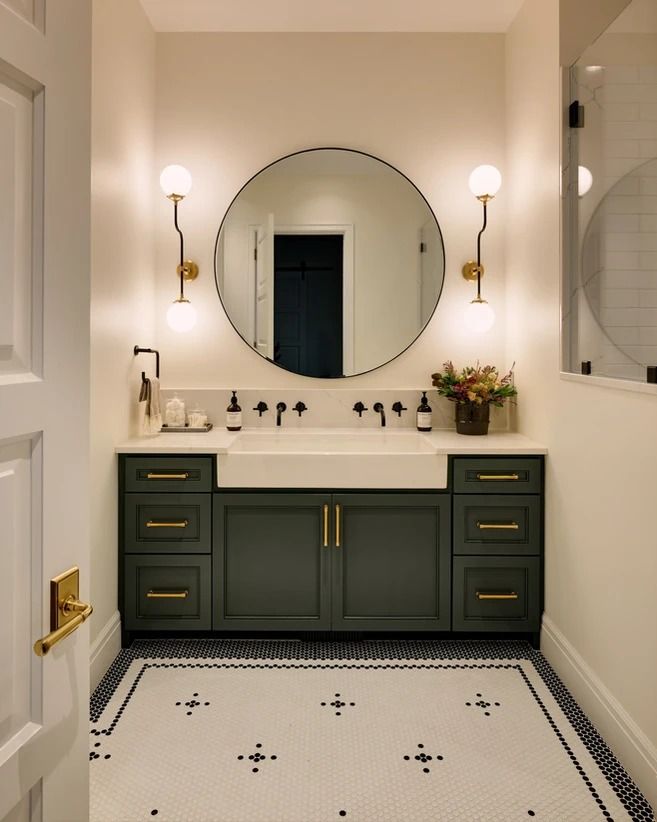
{"x":104,"y":649}
{"x":630,"y":744}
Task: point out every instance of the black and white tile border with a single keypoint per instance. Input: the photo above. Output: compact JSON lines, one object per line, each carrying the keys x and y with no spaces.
{"x":383,"y":651}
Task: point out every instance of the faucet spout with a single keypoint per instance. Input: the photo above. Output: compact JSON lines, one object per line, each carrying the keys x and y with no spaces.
{"x":379,"y":409}
{"x":280,"y":407}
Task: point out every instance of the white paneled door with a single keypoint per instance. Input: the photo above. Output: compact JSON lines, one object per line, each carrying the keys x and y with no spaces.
{"x":45,"y":68}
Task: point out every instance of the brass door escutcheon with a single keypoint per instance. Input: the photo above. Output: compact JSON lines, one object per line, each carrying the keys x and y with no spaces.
{"x":67,"y":613}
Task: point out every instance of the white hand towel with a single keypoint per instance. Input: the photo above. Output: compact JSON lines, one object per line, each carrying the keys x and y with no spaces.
{"x":153,"y":410}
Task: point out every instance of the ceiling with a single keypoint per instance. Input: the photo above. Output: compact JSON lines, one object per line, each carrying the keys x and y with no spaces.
{"x":331,"y":15}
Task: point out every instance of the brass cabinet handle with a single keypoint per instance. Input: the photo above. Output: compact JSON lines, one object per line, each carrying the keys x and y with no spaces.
{"x":182,"y":476}
{"x":167,"y":594}
{"x":498,"y":477}
{"x":509,"y":595}
{"x":497,"y":526}
{"x":183,"y":523}
{"x":70,"y":605}
{"x":337,"y":526}
{"x":326,"y":526}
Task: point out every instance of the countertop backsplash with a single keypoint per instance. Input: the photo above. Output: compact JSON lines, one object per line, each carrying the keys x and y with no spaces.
{"x":327,"y":408}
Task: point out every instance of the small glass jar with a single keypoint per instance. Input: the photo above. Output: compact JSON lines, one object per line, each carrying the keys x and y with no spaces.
{"x":174,"y":413}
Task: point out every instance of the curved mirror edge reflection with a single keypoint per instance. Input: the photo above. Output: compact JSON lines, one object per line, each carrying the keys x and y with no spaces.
{"x":616,"y":297}
{"x":329,"y":262}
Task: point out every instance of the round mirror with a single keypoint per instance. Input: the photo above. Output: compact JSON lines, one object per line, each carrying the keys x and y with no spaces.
{"x":329,"y":262}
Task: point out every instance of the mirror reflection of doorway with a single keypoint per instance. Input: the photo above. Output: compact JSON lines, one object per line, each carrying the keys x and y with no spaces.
{"x":308,"y":303}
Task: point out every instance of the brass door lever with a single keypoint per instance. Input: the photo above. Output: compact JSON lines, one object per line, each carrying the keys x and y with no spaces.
{"x":67,"y":612}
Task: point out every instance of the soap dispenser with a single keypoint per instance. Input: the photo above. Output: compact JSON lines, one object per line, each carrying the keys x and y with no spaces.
{"x":234,"y":414}
{"x":424,"y":414}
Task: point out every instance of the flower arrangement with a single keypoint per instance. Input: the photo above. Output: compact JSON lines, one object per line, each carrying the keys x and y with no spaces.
{"x":475,"y":384}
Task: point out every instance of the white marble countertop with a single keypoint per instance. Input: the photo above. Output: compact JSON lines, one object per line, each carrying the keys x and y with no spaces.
{"x":219,"y":440}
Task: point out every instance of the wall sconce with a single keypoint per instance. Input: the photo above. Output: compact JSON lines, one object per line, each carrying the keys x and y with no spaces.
{"x":176,"y":183}
{"x":484,"y":183}
{"x":584,"y":180}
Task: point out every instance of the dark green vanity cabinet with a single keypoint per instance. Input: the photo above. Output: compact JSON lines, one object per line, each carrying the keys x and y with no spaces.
{"x":498,"y":544}
{"x":196,"y":557}
{"x":358,"y":562}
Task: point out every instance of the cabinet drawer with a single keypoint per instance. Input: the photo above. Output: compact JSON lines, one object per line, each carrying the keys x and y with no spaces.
{"x":491,"y":524}
{"x":496,"y":594}
{"x":497,"y":475}
{"x":164,"y":592}
{"x":162,"y":473}
{"x":167,"y":524}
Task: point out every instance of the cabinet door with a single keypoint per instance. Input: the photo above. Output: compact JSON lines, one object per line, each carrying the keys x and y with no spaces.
{"x":271,"y":561}
{"x":391,"y":562}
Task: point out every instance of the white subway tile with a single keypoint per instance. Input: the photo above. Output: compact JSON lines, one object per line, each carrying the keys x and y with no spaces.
{"x":648,"y":74}
{"x":620,"y":298}
{"x":625,"y":335}
{"x":629,"y":279}
{"x":627,"y":92}
{"x":648,"y":222}
{"x":648,"y":260}
{"x":646,"y":317}
{"x":621,"y":222}
{"x":648,"y":148}
{"x":621,"y":316}
{"x":648,"y":186}
{"x":648,"y":111}
{"x":620,"y":74}
{"x":626,"y":187}
{"x":648,"y":298}
{"x":635,"y":241}
{"x":648,"y":335}
{"x":640,"y":130}
{"x":620,"y":166}
{"x":622,"y":260}
{"x":621,"y":112}
{"x":621,"y":148}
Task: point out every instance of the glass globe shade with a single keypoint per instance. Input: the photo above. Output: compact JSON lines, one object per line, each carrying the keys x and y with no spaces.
{"x":485,"y":180}
{"x":176,"y":180}
{"x":479,"y":316}
{"x":181,"y":316}
{"x":584,"y":180}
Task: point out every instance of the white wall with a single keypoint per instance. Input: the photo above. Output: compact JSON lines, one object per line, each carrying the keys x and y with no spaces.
{"x":122,"y":292}
{"x":229,"y":104}
{"x":601,"y":560}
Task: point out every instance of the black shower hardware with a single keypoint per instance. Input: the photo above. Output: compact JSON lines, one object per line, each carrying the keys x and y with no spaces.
{"x":300,"y":407}
{"x":397,"y":407}
{"x":261,"y":407}
{"x":280,"y":407}
{"x":359,"y":408}
{"x":137,"y":350}
{"x":379,"y":409}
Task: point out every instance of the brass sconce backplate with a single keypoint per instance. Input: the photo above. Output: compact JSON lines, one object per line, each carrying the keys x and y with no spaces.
{"x":470,"y":270}
{"x":189,"y":270}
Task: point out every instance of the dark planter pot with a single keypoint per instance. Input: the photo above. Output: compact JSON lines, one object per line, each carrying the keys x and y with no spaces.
{"x":472,"y":418}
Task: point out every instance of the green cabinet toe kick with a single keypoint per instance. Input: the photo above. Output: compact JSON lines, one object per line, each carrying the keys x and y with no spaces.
{"x":197,"y":558}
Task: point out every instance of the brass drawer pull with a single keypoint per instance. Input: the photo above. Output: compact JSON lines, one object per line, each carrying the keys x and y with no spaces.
{"x":183,"y":523}
{"x":167,"y":594}
{"x":326,"y":526}
{"x":497,"y":526}
{"x":182,"y":476}
{"x":510,"y":595}
{"x":498,"y":477}
{"x":337,"y":526}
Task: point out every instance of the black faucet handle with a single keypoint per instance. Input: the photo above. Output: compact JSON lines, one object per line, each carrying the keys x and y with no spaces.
{"x":261,"y":407}
{"x":397,"y":407}
{"x":378,"y":407}
{"x":359,"y":407}
{"x":281,"y":406}
{"x":300,"y":407}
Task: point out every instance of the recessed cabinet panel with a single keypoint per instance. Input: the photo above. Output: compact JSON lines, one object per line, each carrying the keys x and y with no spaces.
{"x":497,"y":475}
{"x":496,"y":594}
{"x":271,"y":561}
{"x":168,"y":523}
{"x":490,"y":524}
{"x":391,"y":567}
{"x":167,"y":593}
{"x":180,"y":474}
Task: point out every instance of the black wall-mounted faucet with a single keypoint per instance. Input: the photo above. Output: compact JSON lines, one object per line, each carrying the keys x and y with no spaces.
{"x":261,"y":407}
{"x":397,"y":407}
{"x":378,"y":407}
{"x":359,"y":407}
{"x":280,"y":407}
{"x":300,"y":407}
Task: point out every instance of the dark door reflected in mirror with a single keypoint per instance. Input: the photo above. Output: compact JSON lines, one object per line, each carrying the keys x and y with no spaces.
{"x":329,"y":263}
